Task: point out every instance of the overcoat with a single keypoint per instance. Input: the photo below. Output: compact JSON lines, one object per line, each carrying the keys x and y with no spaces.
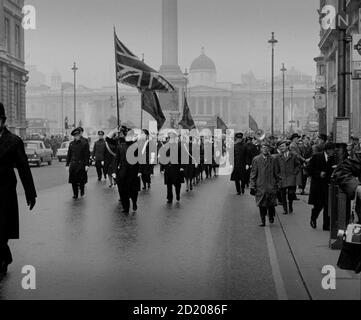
{"x":241,"y":160}
{"x":12,"y":154}
{"x":319,"y":186}
{"x":77,"y":159}
{"x":289,"y":169}
{"x":265,"y":179}
{"x":172,"y":173}
{"x":127,"y":174}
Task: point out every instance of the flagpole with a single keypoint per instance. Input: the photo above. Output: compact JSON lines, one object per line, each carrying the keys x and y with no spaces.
{"x":116,"y":81}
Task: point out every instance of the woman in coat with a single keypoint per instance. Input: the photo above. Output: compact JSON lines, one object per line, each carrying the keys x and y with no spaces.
{"x":264,"y":183}
{"x":12,"y":154}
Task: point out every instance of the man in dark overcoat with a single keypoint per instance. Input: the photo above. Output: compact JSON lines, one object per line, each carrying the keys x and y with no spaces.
{"x":77,"y":163}
{"x":173,"y":170}
{"x":146,"y":168}
{"x":99,"y":155}
{"x":289,"y":168}
{"x":321,"y":167}
{"x":264,"y":183}
{"x":127,"y":173}
{"x":240,"y":166}
{"x":12,"y":155}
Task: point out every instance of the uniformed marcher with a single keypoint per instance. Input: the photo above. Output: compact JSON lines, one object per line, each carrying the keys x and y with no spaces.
{"x":77,"y":162}
{"x":264,"y":183}
{"x":12,"y":154}
{"x":99,"y":155}
{"x":146,"y":169}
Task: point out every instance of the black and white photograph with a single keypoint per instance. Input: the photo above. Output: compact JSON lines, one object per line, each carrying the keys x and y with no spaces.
{"x":200,"y":152}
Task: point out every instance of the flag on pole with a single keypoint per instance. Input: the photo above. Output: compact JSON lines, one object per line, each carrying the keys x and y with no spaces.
{"x":150,"y":104}
{"x":221,"y":124}
{"x":187,"y":121}
{"x":253,"y":124}
{"x":134,"y":72}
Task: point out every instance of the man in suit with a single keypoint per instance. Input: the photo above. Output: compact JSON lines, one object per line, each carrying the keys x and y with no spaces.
{"x":12,"y":153}
{"x":99,"y":155}
{"x":321,"y":168}
{"x":240,"y":166}
{"x":289,"y":169}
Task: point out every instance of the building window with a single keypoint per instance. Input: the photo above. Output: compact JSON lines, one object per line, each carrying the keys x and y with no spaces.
{"x":17,"y":42}
{"x":7,"y":34}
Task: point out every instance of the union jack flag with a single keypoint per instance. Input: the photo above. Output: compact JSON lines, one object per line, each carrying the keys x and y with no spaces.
{"x":134,"y":72}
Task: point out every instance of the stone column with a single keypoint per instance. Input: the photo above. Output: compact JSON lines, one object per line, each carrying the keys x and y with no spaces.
{"x":170,"y":33}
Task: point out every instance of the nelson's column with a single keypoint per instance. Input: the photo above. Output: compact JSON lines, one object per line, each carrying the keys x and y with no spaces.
{"x":172,"y":103}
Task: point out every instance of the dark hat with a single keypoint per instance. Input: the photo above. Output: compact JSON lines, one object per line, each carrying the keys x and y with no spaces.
{"x":329,"y":146}
{"x":146,"y":132}
{"x":101,"y":133}
{"x":295,"y":135}
{"x":239,"y":135}
{"x":2,"y":111}
{"x":287,"y":142}
{"x":76,"y":132}
{"x":81,"y":129}
{"x":323,"y":137}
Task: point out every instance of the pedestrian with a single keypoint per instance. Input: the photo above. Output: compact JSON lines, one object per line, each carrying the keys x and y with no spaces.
{"x":264,"y":182}
{"x":77,"y":163}
{"x":109,"y":157}
{"x":289,"y":166}
{"x":173,"y":171}
{"x":240,"y":166}
{"x":321,"y":168}
{"x":12,"y":154}
{"x":188,"y":162}
{"x":99,"y":155}
{"x":319,"y":146}
{"x":127,"y":174}
{"x":147,"y":168}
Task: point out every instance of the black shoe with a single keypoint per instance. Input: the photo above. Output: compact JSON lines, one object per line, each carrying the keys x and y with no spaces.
{"x":272,"y":220}
{"x":169,"y":201}
{"x":135,"y":207}
{"x":178,"y":198}
{"x":285,"y":211}
{"x":238,"y":193}
{"x":125,"y":211}
{"x":144,"y":188}
{"x":290,"y":210}
{"x":75,"y":197}
{"x":313,"y":224}
{"x":262,"y":225}
{"x":148,"y":185}
{"x":242,"y":191}
{"x":82,"y":193}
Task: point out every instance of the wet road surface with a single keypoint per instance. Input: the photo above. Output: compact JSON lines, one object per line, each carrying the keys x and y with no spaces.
{"x":206,"y":247}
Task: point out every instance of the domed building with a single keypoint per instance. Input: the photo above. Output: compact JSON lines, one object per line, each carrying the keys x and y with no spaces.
{"x":203,"y":71}
{"x":208,"y":98}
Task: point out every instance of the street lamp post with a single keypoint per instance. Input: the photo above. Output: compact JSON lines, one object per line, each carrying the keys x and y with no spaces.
{"x":291,"y":109}
{"x":75,"y":69}
{"x":273,"y":41}
{"x":283,"y":97}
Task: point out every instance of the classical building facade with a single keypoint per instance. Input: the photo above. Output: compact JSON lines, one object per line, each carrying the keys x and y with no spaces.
{"x":235,"y":102}
{"x":13,"y":76}
{"x":327,"y":71}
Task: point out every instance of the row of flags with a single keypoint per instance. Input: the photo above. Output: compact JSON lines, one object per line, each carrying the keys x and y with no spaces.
{"x":132,"y":71}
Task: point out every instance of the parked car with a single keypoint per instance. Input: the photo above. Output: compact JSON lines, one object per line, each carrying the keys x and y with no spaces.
{"x":37,"y":153}
{"x":63,"y":151}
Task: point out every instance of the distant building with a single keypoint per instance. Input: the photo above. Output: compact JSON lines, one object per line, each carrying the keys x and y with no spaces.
{"x":96,"y":108}
{"x":234,"y":102}
{"x":13,"y":76}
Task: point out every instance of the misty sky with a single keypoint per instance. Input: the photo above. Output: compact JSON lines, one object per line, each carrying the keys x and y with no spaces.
{"x":233,"y":32}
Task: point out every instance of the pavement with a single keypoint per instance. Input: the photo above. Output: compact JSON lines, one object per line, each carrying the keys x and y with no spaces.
{"x":208,"y":246}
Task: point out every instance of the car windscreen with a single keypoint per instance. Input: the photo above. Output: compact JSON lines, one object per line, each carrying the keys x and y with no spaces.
{"x":31,"y":145}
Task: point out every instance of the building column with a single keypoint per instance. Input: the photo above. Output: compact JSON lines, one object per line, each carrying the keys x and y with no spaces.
{"x":213,"y":106}
{"x":229,"y":110}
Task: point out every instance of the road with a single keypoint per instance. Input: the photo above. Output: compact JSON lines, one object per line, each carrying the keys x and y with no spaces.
{"x":208,"y":246}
